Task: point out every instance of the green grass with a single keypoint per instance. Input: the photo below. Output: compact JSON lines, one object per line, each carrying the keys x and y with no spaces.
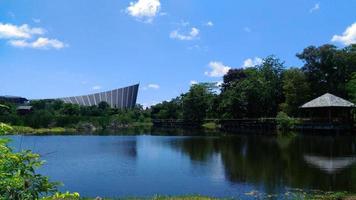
{"x":210,"y":125}
{"x":29,"y":130}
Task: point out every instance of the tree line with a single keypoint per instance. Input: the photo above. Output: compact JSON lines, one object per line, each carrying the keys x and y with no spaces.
{"x":268,"y":88}
{"x":56,"y":113}
{"x":261,"y":91}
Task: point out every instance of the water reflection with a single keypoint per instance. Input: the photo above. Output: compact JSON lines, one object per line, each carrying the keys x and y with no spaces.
{"x":314,"y":162}
{"x":213,"y":164}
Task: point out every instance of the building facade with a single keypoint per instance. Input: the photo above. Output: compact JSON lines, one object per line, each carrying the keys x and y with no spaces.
{"x":119,"y":98}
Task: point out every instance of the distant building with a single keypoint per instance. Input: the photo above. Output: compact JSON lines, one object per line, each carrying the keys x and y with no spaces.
{"x":23,"y":110}
{"x":119,"y":98}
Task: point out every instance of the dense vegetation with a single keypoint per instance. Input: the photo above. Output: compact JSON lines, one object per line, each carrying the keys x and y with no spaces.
{"x":55,"y":113}
{"x":268,"y":88}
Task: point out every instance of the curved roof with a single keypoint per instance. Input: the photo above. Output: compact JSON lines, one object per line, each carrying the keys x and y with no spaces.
{"x":328,"y":100}
{"x":118,"y":98}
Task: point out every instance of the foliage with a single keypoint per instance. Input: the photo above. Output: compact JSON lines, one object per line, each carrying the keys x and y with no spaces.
{"x":328,"y":68}
{"x":168,"y":109}
{"x":63,"y":196}
{"x":284,"y":122}
{"x":49,"y":114}
{"x":18,"y":179}
{"x":197,"y":102}
{"x":296,"y":90}
{"x":4,"y":128}
{"x":351,"y":87}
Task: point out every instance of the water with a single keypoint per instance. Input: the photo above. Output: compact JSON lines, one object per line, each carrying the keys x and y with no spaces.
{"x":219,"y":166}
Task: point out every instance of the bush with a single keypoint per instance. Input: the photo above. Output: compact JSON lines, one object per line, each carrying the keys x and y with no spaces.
{"x":18,"y":179}
{"x":284,"y":122}
{"x":63,"y":196}
{"x":4,"y":128}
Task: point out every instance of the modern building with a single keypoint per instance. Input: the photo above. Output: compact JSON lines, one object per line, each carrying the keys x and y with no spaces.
{"x":119,"y":98}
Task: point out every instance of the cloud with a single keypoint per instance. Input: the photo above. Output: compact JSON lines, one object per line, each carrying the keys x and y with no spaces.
{"x":153,"y":86}
{"x":9,"y":31}
{"x":96,"y":87}
{"x":40,"y":43}
{"x":209,"y":23}
{"x":218,"y":69}
{"x":348,"y":37}
{"x":144,"y":10}
{"x":219,"y":83}
{"x":22,"y":37}
{"x":252,"y":62}
{"x":315,"y":8}
{"x":193,"y":82}
{"x":193,"y":34}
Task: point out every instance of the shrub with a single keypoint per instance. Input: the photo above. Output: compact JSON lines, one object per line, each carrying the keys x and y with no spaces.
{"x":18,"y":179}
{"x":284,"y":122}
{"x":63,"y":196}
{"x":4,"y":128}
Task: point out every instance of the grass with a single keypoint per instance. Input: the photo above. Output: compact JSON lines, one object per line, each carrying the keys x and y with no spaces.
{"x":29,"y":130}
{"x":210,"y":125}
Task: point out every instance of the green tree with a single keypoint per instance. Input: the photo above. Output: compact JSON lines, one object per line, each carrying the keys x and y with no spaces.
{"x":351,"y":87}
{"x":328,"y":68}
{"x":198,"y":101}
{"x":296,"y":90}
{"x":167,"y":109}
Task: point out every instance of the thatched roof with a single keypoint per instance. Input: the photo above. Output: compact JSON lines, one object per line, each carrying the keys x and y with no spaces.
{"x":328,"y":100}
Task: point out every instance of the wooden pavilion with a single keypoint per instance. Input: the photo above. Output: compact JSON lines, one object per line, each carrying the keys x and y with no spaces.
{"x":328,"y":112}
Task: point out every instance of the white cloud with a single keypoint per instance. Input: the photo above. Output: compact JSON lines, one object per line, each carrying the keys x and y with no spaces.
{"x":219,"y":83}
{"x":96,"y":87}
{"x":144,"y":10}
{"x":209,"y":23}
{"x":348,"y":37}
{"x":153,"y":86}
{"x":40,"y":43}
{"x":9,"y":31}
{"x":193,"y":82}
{"x":315,"y":8}
{"x":193,"y":34}
{"x":218,"y":69}
{"x":252,"y":62}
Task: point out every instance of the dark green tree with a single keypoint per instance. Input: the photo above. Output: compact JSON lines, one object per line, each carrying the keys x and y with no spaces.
{"x":198,"y":101}
{"x":328,"y":68}
{"x":296,"y":90}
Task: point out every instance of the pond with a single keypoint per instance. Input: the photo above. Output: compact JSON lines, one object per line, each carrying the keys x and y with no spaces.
{"x":219,"y":166}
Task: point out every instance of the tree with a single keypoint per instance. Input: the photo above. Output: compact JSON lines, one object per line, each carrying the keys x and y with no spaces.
{"x":328,"y":68}
{"x":197,"y":102}
{"x":351,"y":87}
{"x":296,"y":90}
{"x":167,"y":109}
{"x":232,"y":76}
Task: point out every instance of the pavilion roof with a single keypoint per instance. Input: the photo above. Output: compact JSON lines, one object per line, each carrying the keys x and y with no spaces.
{"x":327,"y":100}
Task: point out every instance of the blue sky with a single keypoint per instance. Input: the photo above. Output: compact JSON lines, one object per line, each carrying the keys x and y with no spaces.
{"x":63,"y":47}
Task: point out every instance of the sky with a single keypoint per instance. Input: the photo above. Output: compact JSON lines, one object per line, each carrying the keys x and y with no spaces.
{"x":60,"y":48}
